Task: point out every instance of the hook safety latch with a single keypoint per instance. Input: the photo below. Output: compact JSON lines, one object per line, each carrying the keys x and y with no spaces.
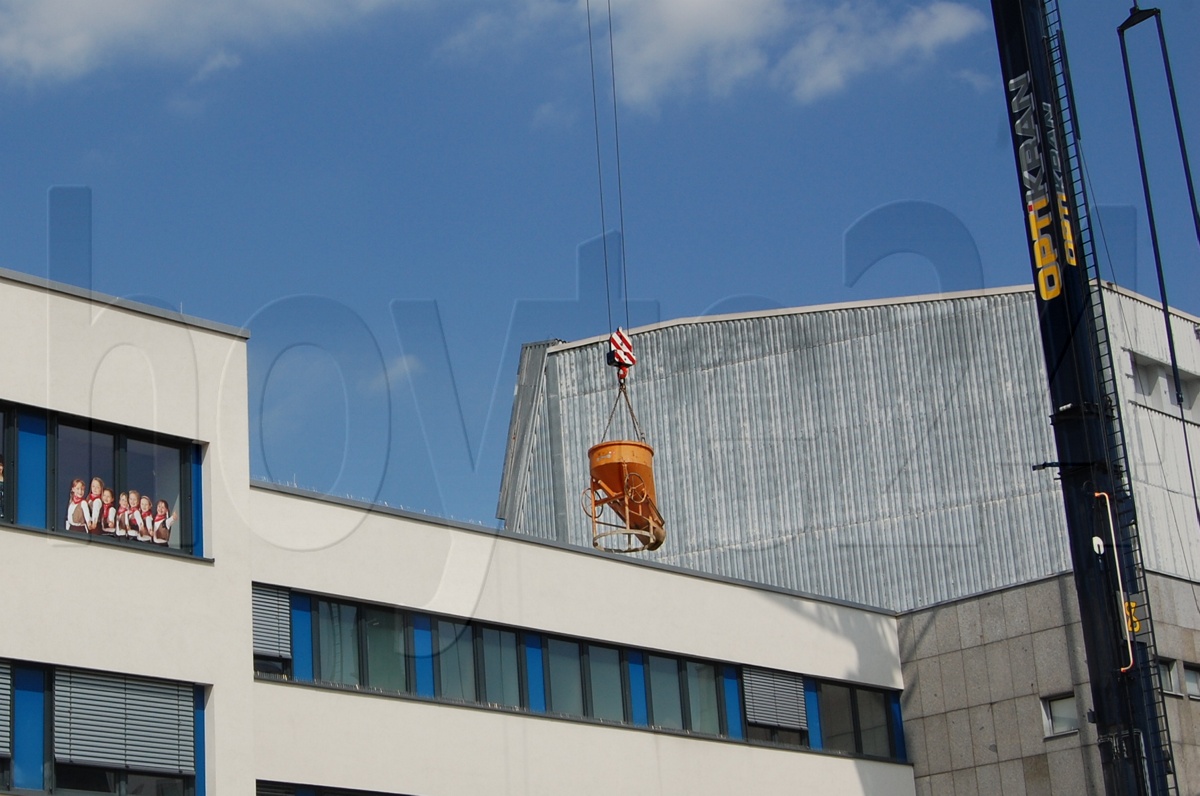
{"x":620,"y":353}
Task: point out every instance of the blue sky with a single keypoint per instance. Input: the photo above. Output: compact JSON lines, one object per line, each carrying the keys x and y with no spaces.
{"x":392,"y":195}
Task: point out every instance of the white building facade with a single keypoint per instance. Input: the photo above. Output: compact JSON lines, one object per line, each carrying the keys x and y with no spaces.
{"x":243,"y":638}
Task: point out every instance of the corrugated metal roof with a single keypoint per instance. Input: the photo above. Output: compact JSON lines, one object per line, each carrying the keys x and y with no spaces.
{"x":877,"y":453}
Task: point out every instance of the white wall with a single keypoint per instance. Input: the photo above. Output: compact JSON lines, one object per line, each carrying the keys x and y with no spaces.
{"x":75,"y":602}
{"x":321,"y":546}
{"x":324,"y":737}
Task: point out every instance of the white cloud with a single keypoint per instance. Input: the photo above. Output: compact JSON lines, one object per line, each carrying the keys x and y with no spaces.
{"x":841,"y":44}
{"x":219,"y":61}
{"x":397,"y":370}
{"x":51,"y":40}
{"x":979,"y":81}
{"x":550,"y":116}
{"x":809,"y":48}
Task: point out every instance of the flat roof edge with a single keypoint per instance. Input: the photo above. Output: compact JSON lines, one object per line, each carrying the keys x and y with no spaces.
{"x":925,"y":298}
{"x":432,"y":519}
{"x":42,"y":283}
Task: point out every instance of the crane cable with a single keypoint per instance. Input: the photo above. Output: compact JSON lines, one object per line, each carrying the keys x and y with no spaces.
{"x":600,"y":166}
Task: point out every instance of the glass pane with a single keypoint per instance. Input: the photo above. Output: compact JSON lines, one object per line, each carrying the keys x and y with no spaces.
{"x":337,"y":633}
{"x":456,"y":661}
{"x":702,"y":698}
{"x":666,"y":708}
{"x":501,"y":683}
{"x":149,"y":785}
{"x":837,"y":718}
{"x":1166,"y":671}
{"x":1063,"y":716}
{"x":604,"y":665}
{"x":1192,"y":680}
{"x":88,"y":779}
{"x":566,"y":677}
{"x":85,"y":469}
{"x":873,"y":723}
{"x":386,"y":658}
{"x":3,"y":459}
{"x":153,"y":472}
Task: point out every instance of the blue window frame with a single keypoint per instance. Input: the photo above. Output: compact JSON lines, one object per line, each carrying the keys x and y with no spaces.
{"x":396,"y":651}
{"x":423,"y":654}
{"x":29,"y":727}
{"x":535,"y":671}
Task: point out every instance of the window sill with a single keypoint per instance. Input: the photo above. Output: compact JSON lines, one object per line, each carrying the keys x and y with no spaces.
{"x":104,"y":541}
{"x":1064,"y":734}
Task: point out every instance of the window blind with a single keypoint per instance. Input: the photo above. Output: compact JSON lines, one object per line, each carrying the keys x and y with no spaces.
{"x":5,"y":709}
{"x":775,"y":699}
{"x":272,"y":621}
{"x":106,"y":719}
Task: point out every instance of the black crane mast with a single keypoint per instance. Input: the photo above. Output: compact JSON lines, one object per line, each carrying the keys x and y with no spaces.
{"x":1118,"y":629}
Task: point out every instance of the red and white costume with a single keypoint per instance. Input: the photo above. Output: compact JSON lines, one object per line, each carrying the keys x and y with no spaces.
{"x":108,"y":519}
{"x":146,"y":526}
{"x":95,"y":505}
{"x":77,"y":514}
{"x":137,"y":526}
{"x":122,"y":523}
{"x":162,"y":528}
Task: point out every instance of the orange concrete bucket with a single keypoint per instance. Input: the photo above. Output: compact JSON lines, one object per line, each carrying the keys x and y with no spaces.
{"x":622,"y":474}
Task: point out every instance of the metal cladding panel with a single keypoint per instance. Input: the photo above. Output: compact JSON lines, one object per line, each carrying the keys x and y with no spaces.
{"x":775,"y":699}
{"x":876,"y":453}
{"x":115,"y":720}
{"x":6,"y":687}
{"x":527,"y":402}
{"x":271,"y":609}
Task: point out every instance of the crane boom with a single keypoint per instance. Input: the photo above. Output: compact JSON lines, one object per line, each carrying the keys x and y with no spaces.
{"x":1127,"y":704}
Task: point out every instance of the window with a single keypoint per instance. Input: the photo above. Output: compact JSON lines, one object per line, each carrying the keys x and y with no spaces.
{"x":859,"y":720}
{"x":703,"y":700}
{"x":872,"y":717}
{"x":1154,"y":386}
{"x":501,"y":678}
{"x":837,"y":718}
{"x":1167,"y":675}
{"x":337,"y":642}
{"x":77,"y":476}
{"x":666,"y":707}
{"x":6,"y":714}
{"x":5,"y":513}
{"x":566,"y":677}
{"x":1060,"y":714}
{"x":281,"y":789}
{"x":387,"y":659}
{"x":604,"y":679}
{"x":776,"y":710}
{"x":406,"y":652}
{"x":455,"y":661}
{"x":117,"y":734}
{"x":272,"y":631}
{"x":1191,"y":681}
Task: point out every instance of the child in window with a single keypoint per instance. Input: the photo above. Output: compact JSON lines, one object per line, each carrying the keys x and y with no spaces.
{"x":76,"y":508}
{"x":136,"y":526}
{"x":95,"y":503}
{"x":122,"y":515}
{"x":163,"y":523}
{"x":146,"y":526}
{"x":108,"y":513}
